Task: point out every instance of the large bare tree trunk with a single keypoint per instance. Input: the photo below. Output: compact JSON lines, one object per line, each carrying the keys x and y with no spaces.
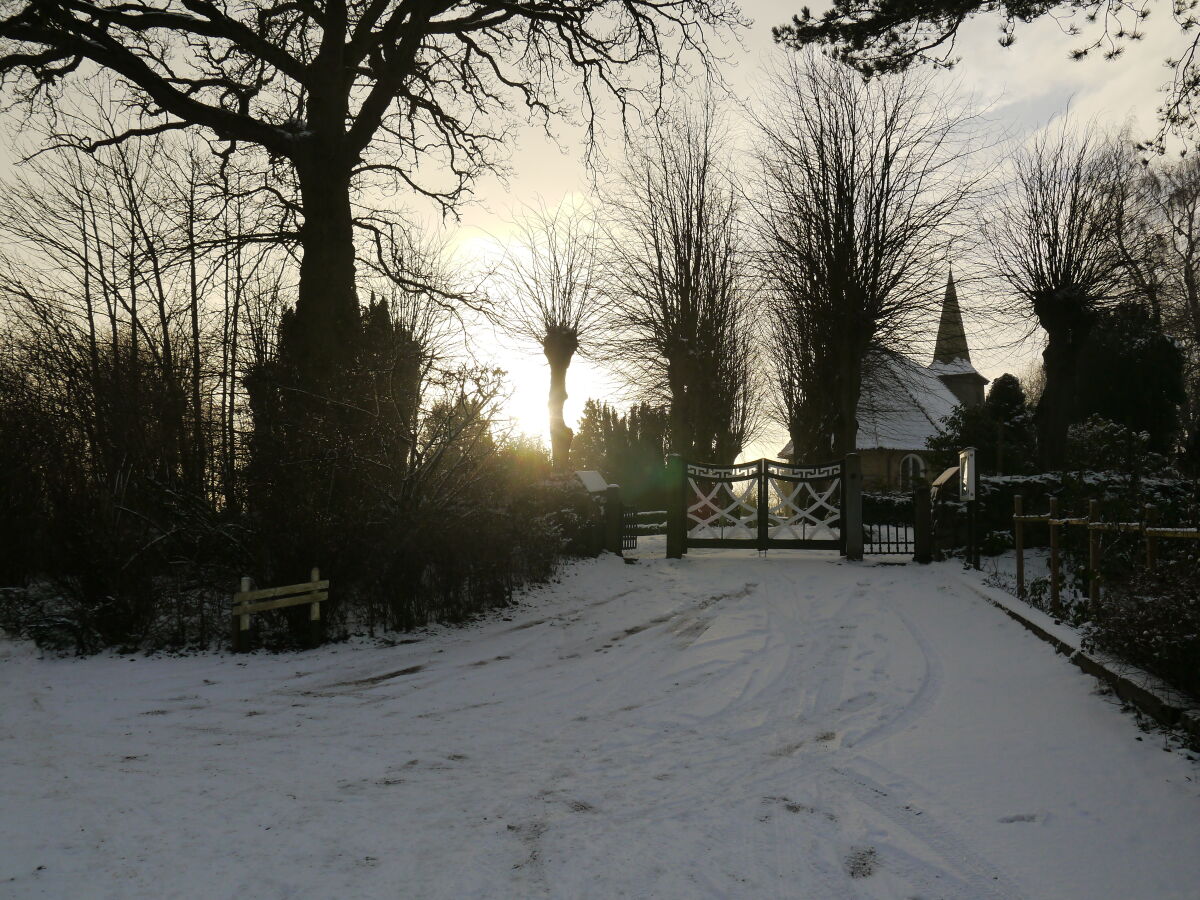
{"x":559,"y":350}
{"x":326,"y":326}
{"x":1056,"y":408}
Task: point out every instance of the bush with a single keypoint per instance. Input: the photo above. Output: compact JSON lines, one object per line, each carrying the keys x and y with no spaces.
{"x":1152,"y":620}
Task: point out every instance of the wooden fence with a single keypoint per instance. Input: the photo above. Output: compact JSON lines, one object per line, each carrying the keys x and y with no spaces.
{"x":246,"y":602}
{"x":1096,"y":526}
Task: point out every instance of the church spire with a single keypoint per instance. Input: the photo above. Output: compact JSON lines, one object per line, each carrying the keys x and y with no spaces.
{"x":951,"y":338}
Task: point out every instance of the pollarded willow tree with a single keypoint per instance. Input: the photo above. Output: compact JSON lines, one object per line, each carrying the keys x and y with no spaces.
{"x":552,"y":298}
{"x":679,"y":277}
{"x":343,"y":91}
{"x":1054,"y":240}
{"x":859,"y":186}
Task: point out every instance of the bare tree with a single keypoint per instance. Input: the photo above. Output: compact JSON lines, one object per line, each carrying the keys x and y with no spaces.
{"x":551,"y":297}
{"x":859,"y":184}
{"x":681,"y":288}
{"x":1054,"y":241}
{"x":344,"y":91}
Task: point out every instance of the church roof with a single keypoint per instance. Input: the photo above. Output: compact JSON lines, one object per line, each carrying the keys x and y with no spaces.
{"x":902,"y":405}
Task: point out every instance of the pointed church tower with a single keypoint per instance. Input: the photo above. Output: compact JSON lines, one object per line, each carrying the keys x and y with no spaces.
{"x":951,"y":356}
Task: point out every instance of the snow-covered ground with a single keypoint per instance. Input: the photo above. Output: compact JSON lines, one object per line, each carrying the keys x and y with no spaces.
{"x":718,"y":726}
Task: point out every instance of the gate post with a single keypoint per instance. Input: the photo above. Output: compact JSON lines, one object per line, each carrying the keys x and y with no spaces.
{"x":922,"y":525}
{"x":764,"y":499}
{"x":852,"y":520}
{"x":612,"y":519}
{"x":676,"y":505}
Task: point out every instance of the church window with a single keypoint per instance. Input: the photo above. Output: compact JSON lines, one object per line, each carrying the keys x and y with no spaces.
{"x":912,"y":472}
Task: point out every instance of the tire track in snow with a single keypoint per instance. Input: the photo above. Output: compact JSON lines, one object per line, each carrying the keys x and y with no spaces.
{"x":905,"y":805}
{"x":926,"y":695}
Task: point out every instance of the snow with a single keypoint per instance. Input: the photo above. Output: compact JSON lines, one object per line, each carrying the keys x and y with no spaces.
{"x":960,"y":366}
{"x":719,"y":726}
{"x":902,"y":405}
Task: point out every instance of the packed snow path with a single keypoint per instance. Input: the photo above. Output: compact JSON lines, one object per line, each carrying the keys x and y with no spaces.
{"x":718,"y":726}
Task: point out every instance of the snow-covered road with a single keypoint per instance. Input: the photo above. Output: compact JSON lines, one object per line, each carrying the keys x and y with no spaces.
{"x":719,"y":726}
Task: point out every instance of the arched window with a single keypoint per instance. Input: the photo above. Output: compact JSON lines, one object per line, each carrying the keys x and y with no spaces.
{"x":912,"y":472}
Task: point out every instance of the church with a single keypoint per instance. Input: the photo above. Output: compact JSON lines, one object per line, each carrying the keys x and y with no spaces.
{"x":903,"y":403}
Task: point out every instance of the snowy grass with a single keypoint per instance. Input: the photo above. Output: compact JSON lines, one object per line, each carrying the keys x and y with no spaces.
{"x":717,"y":726}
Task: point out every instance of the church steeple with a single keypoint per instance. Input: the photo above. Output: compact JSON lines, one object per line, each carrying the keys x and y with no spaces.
{"x":951,"y":337}
{"x":951,"y":355}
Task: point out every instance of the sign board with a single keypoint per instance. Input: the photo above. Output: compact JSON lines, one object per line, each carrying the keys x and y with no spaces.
{"x":966,"y":474}
{"x":593,"y":482}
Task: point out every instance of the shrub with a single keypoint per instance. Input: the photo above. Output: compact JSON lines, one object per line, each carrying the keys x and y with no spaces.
{"x":1152,"y":619}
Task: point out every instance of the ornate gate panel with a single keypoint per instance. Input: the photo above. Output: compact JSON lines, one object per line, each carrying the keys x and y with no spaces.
{"x":763,"y":504}
{"x":723,"y":504}
{"x":803,"y":505}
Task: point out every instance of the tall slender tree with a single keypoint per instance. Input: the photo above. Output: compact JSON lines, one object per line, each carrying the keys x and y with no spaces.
{"x":681,"y":286}
{"x":859,"y":186}
{"x":551,"y":297}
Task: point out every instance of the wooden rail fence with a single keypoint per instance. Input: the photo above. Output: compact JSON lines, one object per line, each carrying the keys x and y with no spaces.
{"x":247,"y":602}
{"x":1096,"y":527}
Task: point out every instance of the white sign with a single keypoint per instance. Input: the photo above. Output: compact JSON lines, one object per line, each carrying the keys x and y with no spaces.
{"x":966,"y":474}
{"x":593,"y":482}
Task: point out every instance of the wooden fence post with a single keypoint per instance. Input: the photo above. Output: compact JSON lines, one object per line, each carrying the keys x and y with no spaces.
{"x":316,"y":625}
{"x":922,"y":525}
{"x":612,"y":519}
{"x":1055,"y":605}
{"x":1148,"y":517}
{"x":241,"y":624}
{"x":852,"y":519}
{"x":1019,"y":544}
{"x":1093,"y":554}
{"x":676,"y":505}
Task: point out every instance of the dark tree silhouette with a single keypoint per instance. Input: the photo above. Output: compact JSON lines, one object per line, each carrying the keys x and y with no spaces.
{"x":1053,"y":237}
{"x":878,"y":36}
{"x":859,"y":183}
{"x":679,"y":278}
{"x":1132,"y":373}
{"x":552,"y":299}
{"x":345,"y":89}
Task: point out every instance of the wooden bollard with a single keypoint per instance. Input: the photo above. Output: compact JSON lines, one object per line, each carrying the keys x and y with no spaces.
{"x":316,"y":625}
{"x":1019,"y":544}
{"x":241,"y":624}
{"x":1093,"y":554}
{"x":1055,"y":605}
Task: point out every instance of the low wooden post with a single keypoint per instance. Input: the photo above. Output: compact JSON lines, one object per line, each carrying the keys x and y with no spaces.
{"x":1093,"y":554}
{"x":852,"y":519}
{"x":316,"y":625}
{"x":922,"y":525}
{"x":241,"y":624}
{"x":1055,"y":605}
{"x":1148,"y":517}
{"x":612,"y":519}
{"x":676,"y":506}
{"x":1019,"y":543}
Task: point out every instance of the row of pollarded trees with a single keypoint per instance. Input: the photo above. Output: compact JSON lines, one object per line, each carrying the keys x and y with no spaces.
{"x":824,"y":254}
{"x":828,"y":257}
{"x":660,"y":288}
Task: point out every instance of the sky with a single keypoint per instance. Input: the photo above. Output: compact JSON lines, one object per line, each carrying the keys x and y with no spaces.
{"x":1024,"y":88}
